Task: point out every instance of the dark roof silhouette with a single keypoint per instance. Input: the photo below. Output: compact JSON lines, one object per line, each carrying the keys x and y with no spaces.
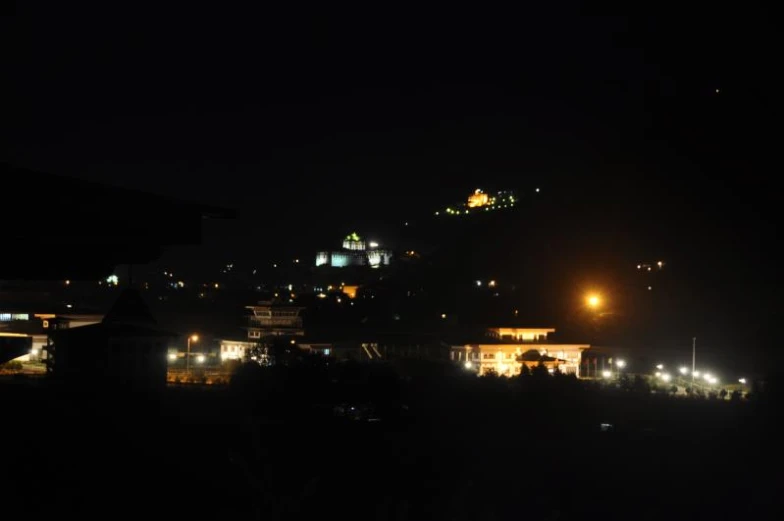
{"x":130,"y":309}
{"x":81,"y":230}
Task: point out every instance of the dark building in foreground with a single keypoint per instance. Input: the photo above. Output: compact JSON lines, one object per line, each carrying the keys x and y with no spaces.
{"x":125,"y":349}
{"x":78,"y":230}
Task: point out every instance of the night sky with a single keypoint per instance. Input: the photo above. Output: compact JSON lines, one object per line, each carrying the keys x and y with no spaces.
{"x":650,"y":132}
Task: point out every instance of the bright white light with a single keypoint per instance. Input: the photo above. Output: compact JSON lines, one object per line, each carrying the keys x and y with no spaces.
{"x":707,"y":377}
{"x":201,"y":359}
{"x":172,"y":356}
{"x":666,"y":377}
{"x":660,"y":367}
{"x":468,"y":365}
{"x":373,"y":244}
{"x":696,"y":374}
{"x":34,"y":351}
{"x":112,"y":279}
{"x":443,"y":315}
{"x":224,"y":356}
{"x":657,"y":374}
{"x":742,"y":381}
{"x":69,"y":306}
{"x":684,"y":370}
{"x":607,"y":374}
{"x":620,"y":363}
{"x":537,"y":190}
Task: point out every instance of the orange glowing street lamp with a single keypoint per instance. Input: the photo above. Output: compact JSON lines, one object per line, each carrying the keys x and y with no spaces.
{"x":191,"y":338}
{"x":593,"y":301}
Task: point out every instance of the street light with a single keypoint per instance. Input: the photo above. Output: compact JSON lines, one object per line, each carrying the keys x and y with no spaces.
{"x":660,"y":367}
{"x":607,"y":374}
{"x":593,"y":301}
{"x":192,"y":338}
{"x":684,"y":370}
{"x":200,"y":359}
{"x":620,"y":364}
{"x":172,"y":357}
{"x":666,"y":377}
{"x":742,"y":381}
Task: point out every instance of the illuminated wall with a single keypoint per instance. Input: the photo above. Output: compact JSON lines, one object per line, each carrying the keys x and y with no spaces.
{"x":478,"y":198}
{"x":504,"y":359}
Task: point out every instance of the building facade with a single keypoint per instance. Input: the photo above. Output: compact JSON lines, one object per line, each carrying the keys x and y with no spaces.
{"x":268,"y":319}
{"x":507,"y":349}
{"x":355,"y":252}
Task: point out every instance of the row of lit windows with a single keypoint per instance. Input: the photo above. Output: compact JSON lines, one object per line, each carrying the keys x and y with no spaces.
{"x":8,"y":317}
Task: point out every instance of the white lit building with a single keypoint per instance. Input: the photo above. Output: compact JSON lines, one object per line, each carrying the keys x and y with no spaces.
{"x":506,"y":347}
{"x":234,"y":349}
{"x":356,"y":252}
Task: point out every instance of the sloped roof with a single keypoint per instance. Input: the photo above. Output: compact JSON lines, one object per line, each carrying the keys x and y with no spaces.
{"x":130,"y":309}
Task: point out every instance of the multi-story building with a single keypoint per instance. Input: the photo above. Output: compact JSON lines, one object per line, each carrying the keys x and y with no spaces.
{"x":268,"y":319}
{"x":507,"y":349}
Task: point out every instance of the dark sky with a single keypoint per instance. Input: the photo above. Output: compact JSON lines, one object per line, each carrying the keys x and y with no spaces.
{"x":314,"y":122}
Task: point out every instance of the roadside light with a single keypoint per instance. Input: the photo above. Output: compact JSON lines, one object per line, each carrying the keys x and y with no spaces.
{"x":468,"y":365}
{"x":607,"y":374}
{"x":621,"y":363}
{"x":201,"y":358}
{"x":172,"y":357}
{"x":684,"y":370}
{"x":660,"y":367}
{"x":742,"y":381}
{"x":593,"y":301}
{"x":666,"y":377}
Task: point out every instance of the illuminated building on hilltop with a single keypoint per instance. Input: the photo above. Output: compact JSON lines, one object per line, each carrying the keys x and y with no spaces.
{"x":479,"y":201}
{"x":355,"y":252}
{"x":507,"y":349}
{"x":478,"y":198}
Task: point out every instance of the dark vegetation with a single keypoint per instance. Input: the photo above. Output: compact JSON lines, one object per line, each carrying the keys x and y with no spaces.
{"x":301,"y":441}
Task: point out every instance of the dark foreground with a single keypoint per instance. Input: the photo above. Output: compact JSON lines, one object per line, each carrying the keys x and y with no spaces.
{"x":462,"y":449}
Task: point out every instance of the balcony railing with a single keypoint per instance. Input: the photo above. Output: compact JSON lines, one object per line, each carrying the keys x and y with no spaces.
{"x":276,"y":322}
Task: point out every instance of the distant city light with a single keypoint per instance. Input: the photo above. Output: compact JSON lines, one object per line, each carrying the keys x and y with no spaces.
{"x":742,"y":381}
{"x":172,"y":357}
{"x":443,"y":315}
{"x":112,"y":280}
{"x":34,"y":351}
{"x":373,"y":244}
{"x":696,"y":374}
{"x":650,"y":288}
{"x":684,"y":370}
{"x":67,"y":282}
{"x":660,"y":264}
{"x":296,"y":261}
{"x":607,"y":374}
{"x":217,"y":285}
{"x":660,"y":367}
{"x":620,"y":363}
{"x":468,"y":365}
{"x":69,"y":306}
{"x":201,"y":358}
{"x":666,"y":377}
{"x":478,"y":282}
{"x":491,"y":283}
{"x":537,"y":190}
